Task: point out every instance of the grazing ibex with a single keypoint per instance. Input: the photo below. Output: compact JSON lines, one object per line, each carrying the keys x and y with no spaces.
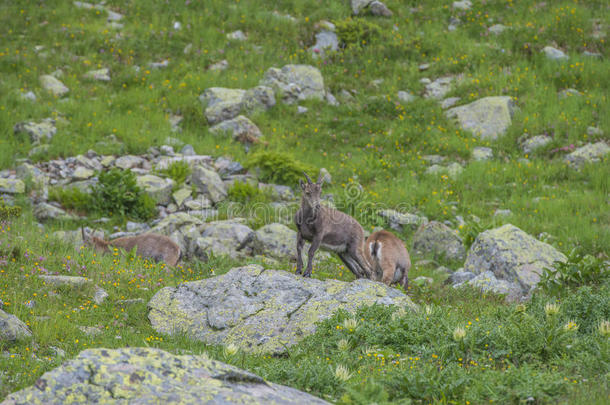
{"x":148,"y":245}
{"x":388,"y":257}
{"x":329,"y":228}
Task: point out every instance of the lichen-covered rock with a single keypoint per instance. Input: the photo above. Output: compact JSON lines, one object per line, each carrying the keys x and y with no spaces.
{"x":438,"y":88}
{"x":276,"y":240}
{"x":261,"y":311}
{"x":11,"y":328}
{"x":534,"y":143}
{"x":12,"y":186}
{"x":174,"y":222}
{"x":487,"y":118}
{"x":296,"y":82}
{"x":37,"y":131}
{"x":54,"y":86}
{"x":102,"y":75}
{"x":258,"y":98}
{"x":128,"y":162}
{"x":241,"y":128}
{"x":554,"y":53}
{"x":399,"y":221}
{"x":590,"y":153}
{"x":143,"y":375}
{"x":488,"y":282}
{"x":511,"y":255}
{"x":82,"y":173}
{"x":440,"y":240}
{"x":482,"y":153}
{"x":380,"y":9}
{"x":44,"y":212}
{"x":158,"y":188}
{"x":209,"y":183}
{"x":221,"y":104}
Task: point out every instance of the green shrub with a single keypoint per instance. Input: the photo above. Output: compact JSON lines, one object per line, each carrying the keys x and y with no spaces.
{"x":117,"y":193}
{"x":245,"y":192}
{"x":357,"y":31}
{"x":7,"y":212}
{"x":577,"y":271}
{"x":71,"y":198}
{"x":177,"y":171}
{"x":279,"y":167}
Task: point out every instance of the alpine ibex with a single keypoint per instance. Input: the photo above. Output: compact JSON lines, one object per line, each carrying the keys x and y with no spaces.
{"x":148,"y":245}
{"x":329,"y":228}
{"x":388,"y":257}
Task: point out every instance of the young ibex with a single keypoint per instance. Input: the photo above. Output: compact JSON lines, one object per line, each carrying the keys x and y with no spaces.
{"x":148,"y":245}
{"x":388,"y":257}
{"x":329,"y":228}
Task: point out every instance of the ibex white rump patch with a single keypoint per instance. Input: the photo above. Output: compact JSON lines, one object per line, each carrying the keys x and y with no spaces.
{"x":388,"y":257}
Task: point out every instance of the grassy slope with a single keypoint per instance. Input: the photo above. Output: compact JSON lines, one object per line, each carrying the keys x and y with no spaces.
{"x":380,"y":141}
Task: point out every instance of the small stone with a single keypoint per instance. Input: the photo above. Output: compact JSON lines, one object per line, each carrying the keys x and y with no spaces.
{"x":29,"y":96}
{"x":424,"y":67}
{"x":159,"y":65}
{"x":222,"y":65}
{"x":481,"y":153}
{"x":50,"y":83}
{"x":237,"y":35}
{"x":569,"y":93}
{"x":594,"y":131}
{"x":405,"y":96}
{"x":379,"y":9}
{"x":554,"y":53}
{"x":449,"y":102}
{"x":462,"y":5}
{"x":302,"y":110}
{"x":534,"y":143}
{"x":502,"y":213}
{"x":102,"y":75}
{"x":82,"y":173}
{"x":497,"y":29}
{"x":128,"y":162}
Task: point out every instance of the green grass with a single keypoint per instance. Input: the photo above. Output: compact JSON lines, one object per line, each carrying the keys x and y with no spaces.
{"x":373,"y":140}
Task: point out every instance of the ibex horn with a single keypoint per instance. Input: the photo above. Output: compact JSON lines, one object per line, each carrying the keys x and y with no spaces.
{"x":308,"y":179}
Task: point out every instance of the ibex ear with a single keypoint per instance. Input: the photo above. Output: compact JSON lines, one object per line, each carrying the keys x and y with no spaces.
{"x":302,"y":184}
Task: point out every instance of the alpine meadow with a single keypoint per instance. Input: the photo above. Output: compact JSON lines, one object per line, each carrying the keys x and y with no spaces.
{"x":475,"y":133}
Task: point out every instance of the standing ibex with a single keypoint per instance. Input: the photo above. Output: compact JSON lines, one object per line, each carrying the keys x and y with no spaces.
{"x":389,"y":258}
{"x":329,"y":228}
{"x":148,"y":245}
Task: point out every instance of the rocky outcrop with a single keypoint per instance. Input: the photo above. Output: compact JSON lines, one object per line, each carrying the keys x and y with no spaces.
{"x":261,"y":311}
{"x":296,"y":82}
{"x":487,"y":118}
{"x":440,"y":240}
{"x":510,"y":256}
{"x":142,"y":375}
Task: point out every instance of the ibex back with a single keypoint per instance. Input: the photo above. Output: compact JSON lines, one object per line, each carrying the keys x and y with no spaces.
{"x":149,"y":246}
{"x":388,"y":257}
{"x":329,"y":228}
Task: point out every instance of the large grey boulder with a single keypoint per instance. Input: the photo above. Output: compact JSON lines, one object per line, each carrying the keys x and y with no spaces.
{"x":11,"y":328}
{"x":54,"y":86}
{"x":440,"y":240}
{"x":511,"y":255}
{"x":144,"y":375}
{"x":158,"y":188}
{"x":221,"y":104}
{"x":296,"y":82}
{"x":261,"y":311}
{"x":37,"y":131}
{"x":241,"y":128}
{"x":590,"y":153}
{"x":209,"y":183}
{"x":487,"y":118}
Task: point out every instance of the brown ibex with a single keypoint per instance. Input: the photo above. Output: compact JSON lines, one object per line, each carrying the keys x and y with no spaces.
{"x":327,"y":227}
{"x":388,"y":257}
{"x":148,"y":245}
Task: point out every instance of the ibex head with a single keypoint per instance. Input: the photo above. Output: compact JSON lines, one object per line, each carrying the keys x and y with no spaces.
{"x":98,"y":244}
{"x":311,"y":191}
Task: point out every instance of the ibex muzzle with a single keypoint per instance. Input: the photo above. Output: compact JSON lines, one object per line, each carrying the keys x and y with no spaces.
{"x":329,"y":228}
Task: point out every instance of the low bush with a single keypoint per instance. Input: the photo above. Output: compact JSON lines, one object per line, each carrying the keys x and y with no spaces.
{"x":279,"y":167}
{"x":244,"y":192}
{"x":177,"y":171}
{"x":71,"y":198}
{"x":117,"y":193}
{"x":576,"y":271}
{"x":7,"y":212}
